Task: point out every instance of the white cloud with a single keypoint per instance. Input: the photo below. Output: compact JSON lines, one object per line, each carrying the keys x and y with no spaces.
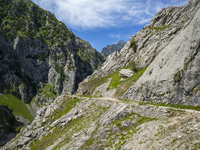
{"x":115,"y":36}
{"x":88,"y":14}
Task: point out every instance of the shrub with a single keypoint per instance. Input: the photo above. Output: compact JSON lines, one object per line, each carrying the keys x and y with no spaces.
{"x":18,"y":129}
{"x":133,"y":66}
{"x":150,"y":72}
{"x":133,"y":45}
{"x":41,"y":57}
{"x":177,"y":76}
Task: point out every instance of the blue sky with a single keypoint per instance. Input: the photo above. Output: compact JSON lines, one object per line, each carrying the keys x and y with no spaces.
{"x":105,"y":22}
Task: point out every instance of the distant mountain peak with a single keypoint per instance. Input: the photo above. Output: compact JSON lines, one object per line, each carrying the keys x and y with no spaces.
{"x":112,"y":48}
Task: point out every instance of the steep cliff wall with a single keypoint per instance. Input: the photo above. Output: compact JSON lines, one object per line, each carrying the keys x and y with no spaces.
{"x":40,"y":58}
{"x":169,"y":47}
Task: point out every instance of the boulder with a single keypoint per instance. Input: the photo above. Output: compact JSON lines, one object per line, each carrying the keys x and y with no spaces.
{"x":126,"y":73}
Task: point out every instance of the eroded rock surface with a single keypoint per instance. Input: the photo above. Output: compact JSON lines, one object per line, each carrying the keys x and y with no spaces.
{"x":72,"y":122}
{"x":169,"y":48}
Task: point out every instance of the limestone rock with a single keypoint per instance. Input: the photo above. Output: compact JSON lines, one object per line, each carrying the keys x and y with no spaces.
{"x":112,"y":48}
{"x":126,"y":73}
{"x":179,"y":59}
{"x":169,"y":48}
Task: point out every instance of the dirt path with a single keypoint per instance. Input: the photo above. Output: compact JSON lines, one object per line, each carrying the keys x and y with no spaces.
{"x":133,"y":102}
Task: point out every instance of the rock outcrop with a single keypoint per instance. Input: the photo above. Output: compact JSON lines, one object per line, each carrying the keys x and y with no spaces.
{"x":8,"y":125}
{"x":169,"y":48}
{"x":165,"y":59}
{"x":99,"y":123}
{"x":125,"y":73}
{"x":174,"y":73}
{"x":40,"y":58}
{"x":112,"y":48}
{"x":38,"y":52}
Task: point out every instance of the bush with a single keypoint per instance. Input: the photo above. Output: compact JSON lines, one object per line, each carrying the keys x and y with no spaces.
{"x":133,"y":66}
{"x":133,"y":45}
{"x":18,"y":129}
{"x":177,"y":76}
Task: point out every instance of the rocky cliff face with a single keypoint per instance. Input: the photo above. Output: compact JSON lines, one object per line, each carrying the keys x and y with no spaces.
{"x":112,"y":48}
{"x":167,"y":49}
{"x":159,"y":64}
{"x":40,"y":58}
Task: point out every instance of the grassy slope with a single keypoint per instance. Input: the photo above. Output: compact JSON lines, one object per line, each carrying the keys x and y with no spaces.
{"x":79,"y":124}
{"x":115,"y":82}
{"x":19,"y":108}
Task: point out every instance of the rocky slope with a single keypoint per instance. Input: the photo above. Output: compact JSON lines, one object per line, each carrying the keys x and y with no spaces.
{"x":40,"y":58}
{"x":97,"y":123}
{"x":39,"y":52}
{"x":165,"y":53}
{"x":159,"y":64}
{"x":112,"y":48}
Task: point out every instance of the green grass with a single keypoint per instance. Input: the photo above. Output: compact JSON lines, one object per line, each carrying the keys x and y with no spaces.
{"x":122,"y":135}
{"x":66,"y":106}
{"x":75,"y":126}
{"x":196,"y":89}
{"x":17,"y":106}
{"x":115,"y":81}
{"x":124,"y":86}
{"x":160,"y":28}
{"x":47,"y":91}
{"x":172,"y":105}
{"x":96,"y":81}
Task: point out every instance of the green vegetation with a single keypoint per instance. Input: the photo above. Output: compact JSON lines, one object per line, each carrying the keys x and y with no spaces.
{"x":124,"y":86}
{"x":132,"y":65}
{"x":47,"y":91}
{"x":124,"y":133}
{"x":18,"y":129}
{"x":150,"y":72}
{"x":115,"y":81}
{"x":16,"y":105}
{"x":160,"y":28}
{"x":7,"y":121}
{"x":133,"y":45}
{"x":196,"y":146}
{"x":60,"y":70}
{"x":177,"y":76}
{"x":66,"y":107}
{"x":160,"y":95}
{"x":95,"y":82}
{"x":26,"y":20}
{"x":40,"y":56}
{"x":75,"y":126}
{"x":172,"y":105}
{"x":197,"y":89}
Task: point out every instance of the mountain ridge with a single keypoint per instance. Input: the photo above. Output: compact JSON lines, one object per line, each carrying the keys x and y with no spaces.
{"x":112,"y":48}
{"x":40,"y":58}
{"x":139,"y":98}
{"x":143,"y":49}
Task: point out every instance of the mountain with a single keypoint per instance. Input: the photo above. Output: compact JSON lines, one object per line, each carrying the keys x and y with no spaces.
{"x":40,"y":58}
{"x":147,"y":96}
{"x":164,"y":56}
{"x":112,"y":48}
{"x":38,"y":52}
